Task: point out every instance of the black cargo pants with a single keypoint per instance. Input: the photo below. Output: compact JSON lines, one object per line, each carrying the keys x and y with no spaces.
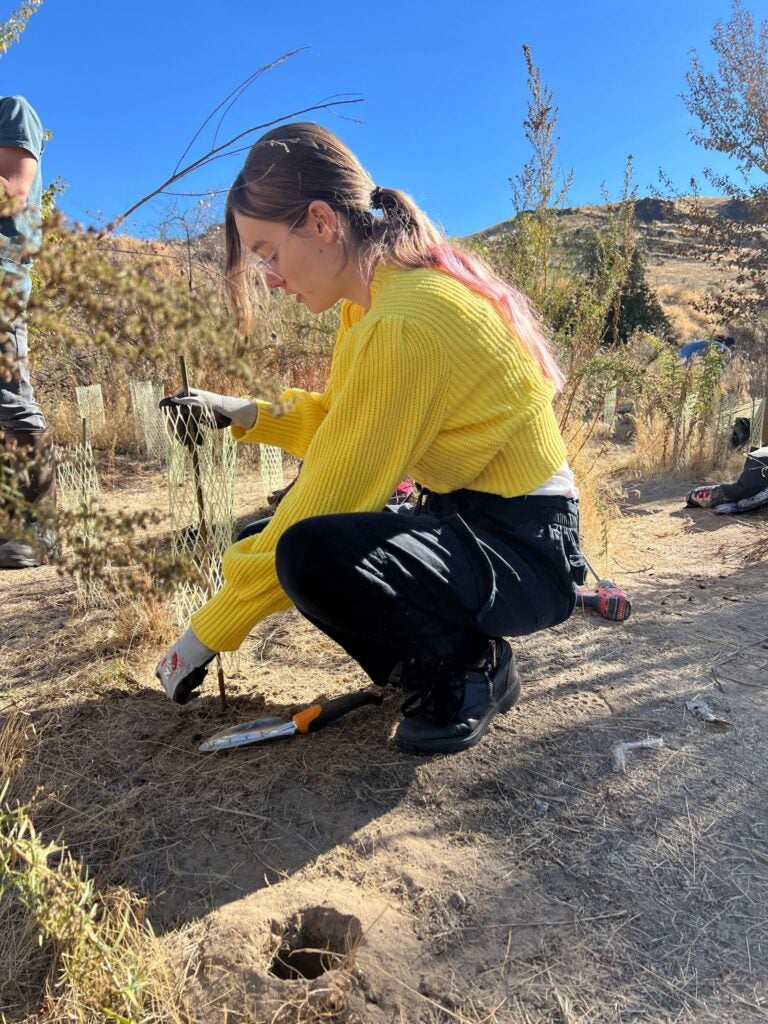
{"x":436,"y":581}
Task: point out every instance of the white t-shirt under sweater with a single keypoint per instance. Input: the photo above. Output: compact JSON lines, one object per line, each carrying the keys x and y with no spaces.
{"x":561,"y":483}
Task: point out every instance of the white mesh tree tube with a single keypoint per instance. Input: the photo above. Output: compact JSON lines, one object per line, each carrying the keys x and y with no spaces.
{"x":609,"y":406}
{"x":757,"y":422}
{"x":90,"y":403}
{"x":201,"y":496}
{"x":78,"y":492}
{"x":271,"y":467}
{"x":202,"y":530}
{"x":148,"y":418}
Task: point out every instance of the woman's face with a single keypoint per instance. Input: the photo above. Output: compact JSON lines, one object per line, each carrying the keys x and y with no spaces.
{"x":307,"y":262}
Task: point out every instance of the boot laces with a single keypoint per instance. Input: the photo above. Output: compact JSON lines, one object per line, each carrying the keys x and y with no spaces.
{"x":442,"y":694}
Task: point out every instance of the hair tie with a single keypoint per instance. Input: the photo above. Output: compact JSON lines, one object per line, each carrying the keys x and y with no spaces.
{"x":377,"y":198}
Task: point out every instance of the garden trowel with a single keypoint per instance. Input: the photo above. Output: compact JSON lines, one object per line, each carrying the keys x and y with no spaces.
{"x":309,"y":719}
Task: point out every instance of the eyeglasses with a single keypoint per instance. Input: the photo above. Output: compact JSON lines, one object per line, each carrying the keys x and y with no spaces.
{"x":266,"y":265}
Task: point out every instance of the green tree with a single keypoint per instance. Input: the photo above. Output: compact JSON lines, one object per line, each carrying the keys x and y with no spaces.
{"x":731,"y":103}
{"x":639,"y":308}
{"x":635,"y":305}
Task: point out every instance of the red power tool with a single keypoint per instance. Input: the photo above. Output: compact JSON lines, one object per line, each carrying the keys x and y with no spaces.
{"x":605,"y":598}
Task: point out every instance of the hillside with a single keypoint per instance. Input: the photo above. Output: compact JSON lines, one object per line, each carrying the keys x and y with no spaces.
{"x":671,"y":235}
{"x":672,"y":240}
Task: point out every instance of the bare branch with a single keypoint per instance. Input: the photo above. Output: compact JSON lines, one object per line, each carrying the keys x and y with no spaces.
{"x":232,"y":98}
{"x":218,"y":152}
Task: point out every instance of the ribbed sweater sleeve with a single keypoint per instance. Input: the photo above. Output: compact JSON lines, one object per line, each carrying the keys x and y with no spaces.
{"x":290,"y":423}
{"x":387,"y":407}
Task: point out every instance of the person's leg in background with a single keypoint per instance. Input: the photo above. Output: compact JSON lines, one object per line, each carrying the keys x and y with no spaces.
{"x":28,"y":487}
{"x":752,"y":480}
{"x":753,"y":477}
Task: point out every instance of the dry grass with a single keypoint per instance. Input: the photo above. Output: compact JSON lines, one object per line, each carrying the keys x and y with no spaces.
{"x":684,"y":308}
{"x":69,"y":951}
{"x":684,"y":417}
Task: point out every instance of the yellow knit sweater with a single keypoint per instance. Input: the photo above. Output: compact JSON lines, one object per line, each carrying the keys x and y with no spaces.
{"x":429,"y":383}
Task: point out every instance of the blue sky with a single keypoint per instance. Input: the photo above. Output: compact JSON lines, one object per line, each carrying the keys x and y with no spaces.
{"x":124,"y":87}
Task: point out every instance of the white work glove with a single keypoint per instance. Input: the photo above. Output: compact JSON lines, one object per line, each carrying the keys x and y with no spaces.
{"x":184,"y":667}
{"x":225,"y":409}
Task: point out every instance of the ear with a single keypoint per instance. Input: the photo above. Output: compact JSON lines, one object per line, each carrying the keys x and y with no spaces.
{"x":322,"y":222}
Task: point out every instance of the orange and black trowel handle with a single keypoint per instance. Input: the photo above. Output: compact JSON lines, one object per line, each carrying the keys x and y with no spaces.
{"x":318,"y":715}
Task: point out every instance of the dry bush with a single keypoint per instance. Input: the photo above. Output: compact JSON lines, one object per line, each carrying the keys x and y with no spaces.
{"x":110,"y":310}
{"x":69,"y":951}
{"x":684,"y":413}
{"x":72,"y":948}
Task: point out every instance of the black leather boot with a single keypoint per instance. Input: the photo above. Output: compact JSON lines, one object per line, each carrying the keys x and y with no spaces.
{"x":453,"y":711}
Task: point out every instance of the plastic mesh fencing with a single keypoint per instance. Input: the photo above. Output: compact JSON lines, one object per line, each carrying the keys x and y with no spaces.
{"x":609,"y":406}
{"x":76,"y":479}
{"x":78,"y":491}
{"x":201,"y":499}
{"x":730,"y":410}
{"x":271,"y":467}
{"x":148,"y":418}
{"x":90,"y":403}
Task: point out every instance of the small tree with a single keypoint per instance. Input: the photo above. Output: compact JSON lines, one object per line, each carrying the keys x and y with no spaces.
{"x":592,"y":312}
{"x":537,"y":191}
{"x":635,"y":306}
{"x":639,"y":307}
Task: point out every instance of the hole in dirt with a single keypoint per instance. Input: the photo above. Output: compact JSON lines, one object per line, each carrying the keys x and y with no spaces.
{"x":313,"y":940}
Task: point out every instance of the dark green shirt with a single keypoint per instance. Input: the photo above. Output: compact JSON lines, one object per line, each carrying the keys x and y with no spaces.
{"x":20,"y":236}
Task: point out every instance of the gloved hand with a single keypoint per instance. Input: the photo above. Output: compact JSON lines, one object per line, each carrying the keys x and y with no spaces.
{"x":184,"y":667}
{"x":706,"y":496}
{"x":188,"y":409}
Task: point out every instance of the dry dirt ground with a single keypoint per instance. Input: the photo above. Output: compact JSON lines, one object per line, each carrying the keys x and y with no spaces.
{"x":527,"y":880}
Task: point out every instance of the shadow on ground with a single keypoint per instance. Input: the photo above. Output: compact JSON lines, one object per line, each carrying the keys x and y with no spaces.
{"x":651,"y":884}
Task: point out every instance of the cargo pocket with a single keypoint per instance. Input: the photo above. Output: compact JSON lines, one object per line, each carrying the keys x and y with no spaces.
{"x":573,"y":553}
{"x":570,"y":569}
{"x":476,"y":579}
